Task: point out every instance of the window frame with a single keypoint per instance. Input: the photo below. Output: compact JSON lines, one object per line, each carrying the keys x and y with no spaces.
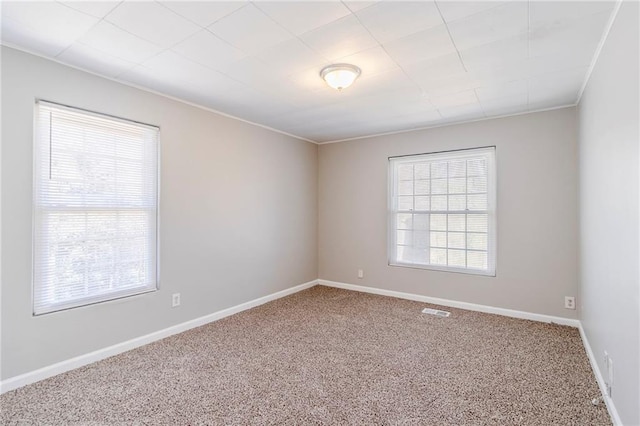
{"x":492,"y":189}
{"x":37,"y":155}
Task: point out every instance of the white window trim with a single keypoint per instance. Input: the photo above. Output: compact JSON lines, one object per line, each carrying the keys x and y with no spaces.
{"x":105,"y":298}
{"x":492,"y":249}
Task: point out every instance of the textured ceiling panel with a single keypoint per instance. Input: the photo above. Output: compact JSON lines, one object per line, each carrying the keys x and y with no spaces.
{"x":423,"y":63}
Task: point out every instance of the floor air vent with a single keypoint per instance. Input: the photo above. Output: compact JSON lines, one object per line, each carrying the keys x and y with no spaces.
{"x":436,"y":312}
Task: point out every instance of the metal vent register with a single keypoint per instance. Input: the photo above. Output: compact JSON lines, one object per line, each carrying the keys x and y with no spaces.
{"x":436,"y":312}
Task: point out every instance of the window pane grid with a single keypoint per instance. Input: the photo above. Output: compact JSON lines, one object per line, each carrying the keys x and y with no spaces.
{"x":95,"y":208}
{"x":453,"y":201}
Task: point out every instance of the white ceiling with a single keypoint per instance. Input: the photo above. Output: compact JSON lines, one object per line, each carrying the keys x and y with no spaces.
{"x":423,"y":63}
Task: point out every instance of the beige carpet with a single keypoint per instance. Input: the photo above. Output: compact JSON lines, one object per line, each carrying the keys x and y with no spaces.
{"x":328,"y":356}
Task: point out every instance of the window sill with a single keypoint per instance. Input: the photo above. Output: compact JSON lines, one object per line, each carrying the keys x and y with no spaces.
{"x":444,"y":269}
{"x":79,"y":303}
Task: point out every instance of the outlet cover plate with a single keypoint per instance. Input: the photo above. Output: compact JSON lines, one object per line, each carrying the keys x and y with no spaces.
{"x":569,"y":302}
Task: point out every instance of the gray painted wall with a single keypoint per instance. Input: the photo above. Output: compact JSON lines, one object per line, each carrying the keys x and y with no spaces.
{"x":238,"y":214}
{"x":537,"y":261}
{"x":610,"y":219}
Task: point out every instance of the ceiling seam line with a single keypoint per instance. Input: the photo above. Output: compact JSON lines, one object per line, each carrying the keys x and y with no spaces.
{"x":416,"y":129}
{"x":422,"y":91}
{"x":157,"y":93}
{"x":451,"y":37}
{"x":198,"y":24}
{"x":76,"y":40}
{"x":464,"y":67}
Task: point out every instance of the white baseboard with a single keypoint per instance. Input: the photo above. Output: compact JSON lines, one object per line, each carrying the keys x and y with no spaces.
{"x":613,"y":413}
{"x":455,"y":304}
{"x":79,"y":361}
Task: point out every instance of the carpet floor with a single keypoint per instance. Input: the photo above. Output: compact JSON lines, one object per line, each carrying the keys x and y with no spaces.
{"x":329,"y":356}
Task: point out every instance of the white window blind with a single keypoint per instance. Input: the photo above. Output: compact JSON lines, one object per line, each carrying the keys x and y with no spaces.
{"x":95,"y":208}
{"x":442,"y":211}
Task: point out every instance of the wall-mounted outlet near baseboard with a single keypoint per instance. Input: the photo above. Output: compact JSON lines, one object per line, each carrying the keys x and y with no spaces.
{"x":175,"y":300}
{"x":569,"y":302}
{"x":360,"y":273}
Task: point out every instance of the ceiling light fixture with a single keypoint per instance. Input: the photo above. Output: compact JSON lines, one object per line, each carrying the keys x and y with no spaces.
{"x":340,"y":76}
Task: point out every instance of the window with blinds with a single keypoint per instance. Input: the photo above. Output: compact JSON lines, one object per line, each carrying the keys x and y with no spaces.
{"x":442,"y":211}
{"x":95,"y":208}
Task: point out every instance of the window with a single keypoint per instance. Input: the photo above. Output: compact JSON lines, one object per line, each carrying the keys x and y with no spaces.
{"x":442,"y":211}
{"x":95,"y":208}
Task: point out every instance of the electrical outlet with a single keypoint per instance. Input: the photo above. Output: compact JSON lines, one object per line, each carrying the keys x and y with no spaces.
{"x":360,"y":273}
{"x":569,"y":302}
{"x":175,"y":300}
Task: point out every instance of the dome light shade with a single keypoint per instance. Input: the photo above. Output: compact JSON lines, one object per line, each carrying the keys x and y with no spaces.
{"x":340,"y":76}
